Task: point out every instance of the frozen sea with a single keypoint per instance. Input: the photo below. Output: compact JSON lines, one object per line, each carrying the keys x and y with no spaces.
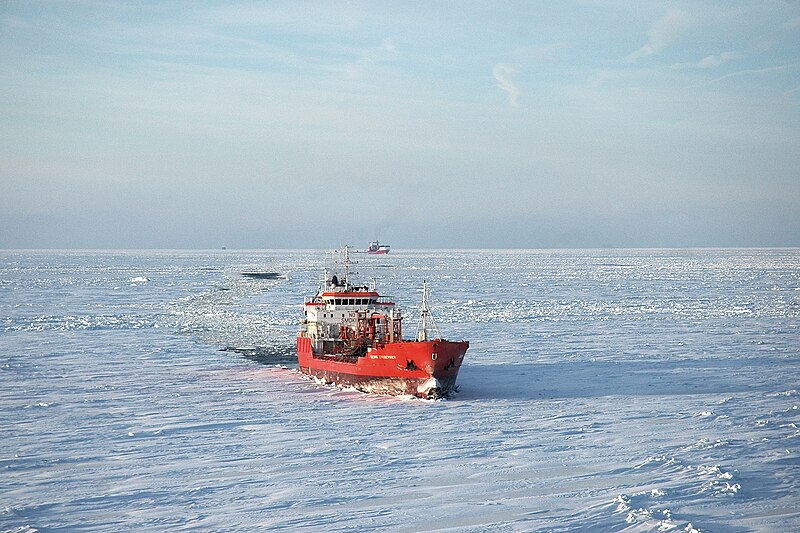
{"x":604,"y":390}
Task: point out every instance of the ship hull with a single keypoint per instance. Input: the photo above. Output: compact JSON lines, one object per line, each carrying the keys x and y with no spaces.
{"x":426,"y":369}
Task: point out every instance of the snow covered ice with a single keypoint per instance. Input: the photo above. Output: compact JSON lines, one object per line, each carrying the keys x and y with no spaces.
{"x":604,"y":390}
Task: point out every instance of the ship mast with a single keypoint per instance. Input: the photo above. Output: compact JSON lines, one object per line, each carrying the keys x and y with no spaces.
{"x":346,"y":261}
{"x":424,"y":332}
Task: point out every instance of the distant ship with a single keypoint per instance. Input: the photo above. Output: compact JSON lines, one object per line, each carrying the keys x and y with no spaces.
{"x":352,"y":337}
{"x":377,"y":248}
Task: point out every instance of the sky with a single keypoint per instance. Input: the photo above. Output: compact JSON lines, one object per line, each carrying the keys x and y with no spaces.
{"x":428,"y":124}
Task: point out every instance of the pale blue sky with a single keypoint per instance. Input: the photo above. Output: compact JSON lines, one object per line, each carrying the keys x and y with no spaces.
{"x":424,"y":124}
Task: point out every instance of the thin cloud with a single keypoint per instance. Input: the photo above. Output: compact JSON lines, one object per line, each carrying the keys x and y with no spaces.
{"x":708,"y":62}
{"x":792,"y":91}
{"x":663,"y":33}
{"x":748,"y":72}
{"x":501,"y":73}
{"x":369,"y":58}
{"x":717,"y":60}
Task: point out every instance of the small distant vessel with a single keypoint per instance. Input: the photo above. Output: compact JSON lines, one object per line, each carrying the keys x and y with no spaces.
{"x":377,"y":248}
{"x":352,"y":337}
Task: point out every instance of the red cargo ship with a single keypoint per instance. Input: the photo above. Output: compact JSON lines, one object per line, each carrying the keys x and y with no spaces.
{"x":377,"y":248}
{"x":353,"y":337}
